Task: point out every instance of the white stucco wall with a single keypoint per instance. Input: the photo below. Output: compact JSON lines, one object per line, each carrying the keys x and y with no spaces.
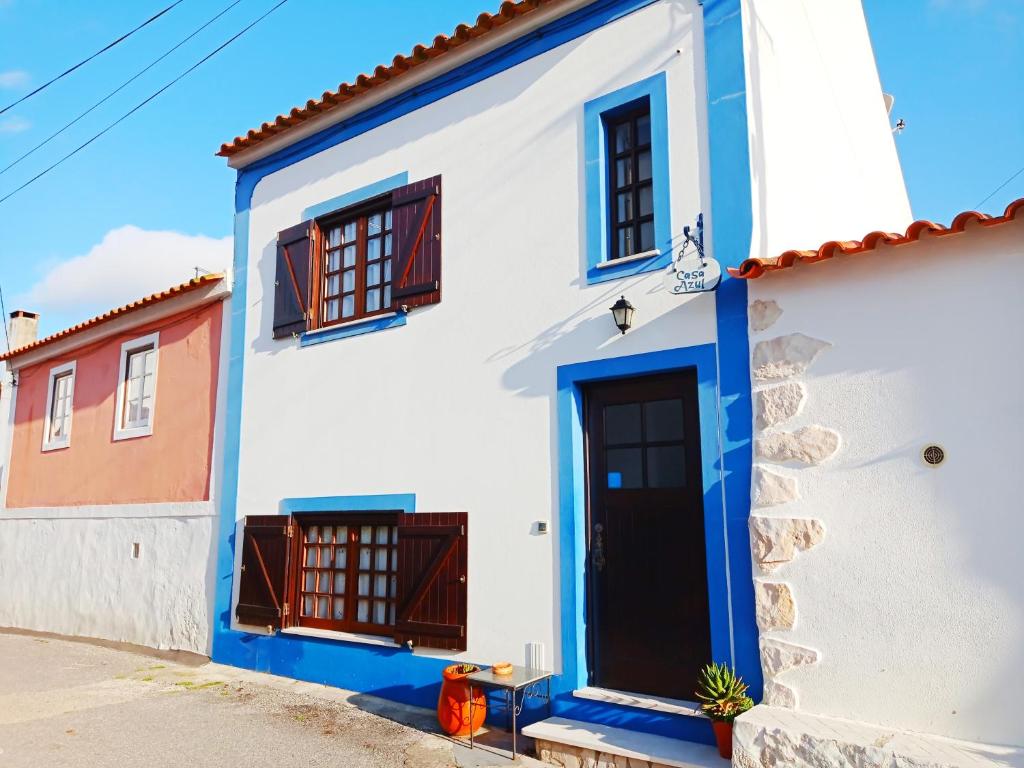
{"x":71,"y":571}
{"x":823,"y":160}
{"x":458,"y":405}
{"x":913,"y":599}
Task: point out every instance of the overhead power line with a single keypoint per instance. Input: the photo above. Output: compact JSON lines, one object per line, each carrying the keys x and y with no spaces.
{"x":106,"y":48}
{"x":143,"y":103}
{"x":117,"y":90}
{"x":1014,"y":176}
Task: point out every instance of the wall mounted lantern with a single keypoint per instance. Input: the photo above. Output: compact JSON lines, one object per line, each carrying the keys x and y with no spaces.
{"x":622,"y":312}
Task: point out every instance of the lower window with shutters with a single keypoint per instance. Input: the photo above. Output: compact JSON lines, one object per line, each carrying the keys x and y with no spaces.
{"x":347,"y":579}
{"x":401,"y":575}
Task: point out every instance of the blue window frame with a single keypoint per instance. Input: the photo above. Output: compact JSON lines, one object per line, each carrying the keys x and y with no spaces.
{"x":603,"y":117}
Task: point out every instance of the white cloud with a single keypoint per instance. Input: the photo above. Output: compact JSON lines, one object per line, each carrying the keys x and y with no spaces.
{"x":13,"y":78}
{"x":126,"y":265}
{"x":14,"y":124}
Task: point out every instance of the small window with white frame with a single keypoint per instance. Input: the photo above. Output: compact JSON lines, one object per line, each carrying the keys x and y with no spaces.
{"x":60,"y":397}
{"x":136,"y":388}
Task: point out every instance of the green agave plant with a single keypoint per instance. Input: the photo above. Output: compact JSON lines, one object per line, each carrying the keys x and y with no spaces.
{"x":722,"y":693}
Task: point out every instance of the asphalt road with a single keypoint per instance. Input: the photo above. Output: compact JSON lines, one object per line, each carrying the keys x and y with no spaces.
{"x":66,"y":703}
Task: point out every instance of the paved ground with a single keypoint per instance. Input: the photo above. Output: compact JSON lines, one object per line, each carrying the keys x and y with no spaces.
{"x":65,"y":703}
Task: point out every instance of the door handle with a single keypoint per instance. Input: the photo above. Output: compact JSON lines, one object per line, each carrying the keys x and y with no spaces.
{"x":597,"y":548}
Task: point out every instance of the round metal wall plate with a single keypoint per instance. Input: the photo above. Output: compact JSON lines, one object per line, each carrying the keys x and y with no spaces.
{"x":933,"y":455}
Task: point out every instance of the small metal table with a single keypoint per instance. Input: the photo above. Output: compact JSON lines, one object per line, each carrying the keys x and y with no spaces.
{"x":523,"y":679}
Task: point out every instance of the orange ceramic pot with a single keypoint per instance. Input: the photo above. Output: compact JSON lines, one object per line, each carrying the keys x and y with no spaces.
{"x":723,"y":736}
{"x":453,"y":703}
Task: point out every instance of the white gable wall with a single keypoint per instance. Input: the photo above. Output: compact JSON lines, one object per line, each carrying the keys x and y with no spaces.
{"x":913,"y":599}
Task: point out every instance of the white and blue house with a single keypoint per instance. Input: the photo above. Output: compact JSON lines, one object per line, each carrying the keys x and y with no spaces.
{"x":439,"y":446}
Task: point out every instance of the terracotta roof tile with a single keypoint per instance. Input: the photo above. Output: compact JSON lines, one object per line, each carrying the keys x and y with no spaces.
{"x":147,"y":301}
{"x":754,"y":268}
{"x":384,"y":73}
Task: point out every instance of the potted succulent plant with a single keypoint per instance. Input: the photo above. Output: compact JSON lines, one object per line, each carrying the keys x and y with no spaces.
{"x":723,"y":696}
{"x":453,"y":704}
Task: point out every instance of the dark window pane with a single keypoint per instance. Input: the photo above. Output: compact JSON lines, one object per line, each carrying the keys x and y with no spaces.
{"x":646,"y":237}
{"x":625,"y":467}
{"x":623,"y":139}
{"x":622,"y":424}
{"x":646,"y":200}
{"x":624,"y":172}
{"x":666,"y":466}
{"x":644,"y":165}
{"x":664,"y":420}
{"x":643,"y":130}
{"x":625,"y":207}
{"x":626,"y":241}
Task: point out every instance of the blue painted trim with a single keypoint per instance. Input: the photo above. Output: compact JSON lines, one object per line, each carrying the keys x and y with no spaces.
{"x":731,"y":227}
{"x":549,"y":37}
{"x":358,"y":328}
{"x":572,"y":524}
{"x":381,"y":502}
{"x":595,"y":156}
{"x":356,"y":196}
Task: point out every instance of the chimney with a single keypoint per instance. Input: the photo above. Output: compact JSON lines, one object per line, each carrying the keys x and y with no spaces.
{"x":22,"y":328}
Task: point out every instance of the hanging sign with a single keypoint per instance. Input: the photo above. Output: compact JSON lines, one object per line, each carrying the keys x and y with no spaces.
{"x":693,"y":274}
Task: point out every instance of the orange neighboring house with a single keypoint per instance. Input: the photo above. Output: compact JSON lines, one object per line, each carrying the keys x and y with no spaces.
{"x":108,"y":482}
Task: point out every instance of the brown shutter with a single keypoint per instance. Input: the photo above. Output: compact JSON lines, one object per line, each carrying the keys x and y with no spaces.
{"x":291,"y":282}
{"x":416,"y":222}
{"x":432,"y":565}
{"x":266,"y":556}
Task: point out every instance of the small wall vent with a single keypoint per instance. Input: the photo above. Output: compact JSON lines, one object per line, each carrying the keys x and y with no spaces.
{"x":933,"y":455}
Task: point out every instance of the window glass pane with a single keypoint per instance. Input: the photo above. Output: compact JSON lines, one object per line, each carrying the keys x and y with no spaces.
{"x":339,"y":610}
{"x":382,"y":560}
{"x":624,"y":209}
{"x":311,"y":557}
{"x":646,"y":200}
{"x":664,"y":420}
{"x":622,"y":424}
{"x":334,"y":261}
{"x":334,"y":237}
{"x":327,"y":534}
{"x":626,"y":244}
{"x":333,"y":284}
{"x":366,"y":534}
{"x":644,"y":165}
{"x":373,"y":274}
{"x":348,"y":306}
{"x":373,"y":249}
{"x":307,"y":606}
{"x":307,"y":582}
{"x":373,"y":300}
{"x":340,"y":556}
{"x":623,"y":137}
{"x":380,"y":612}
{"x":625,"y":467}
{"x":348,"y":280}
{"x":387,"y":270}
{"x":387,"y":296}
{"x":332,"y":310}
{"x":380,"y":586}
{"x":364,"y":584}
{"x":325,"y":557}
{"x":643,"y":130}
{"x":350,"y":232}
{"x":363,"y":611}
{"x":364,"y":558}
{"x":624,"y":172}
{"x":646,"y":237}
{"x":373,"y":223}
{"x":323,"y":606}
{"x":387,"y":219}
{"x":666,"y":466}
{"x":349,"y":255}
{"x":387,"y":245}
{"x":339,"y":583}
{"x":323,"y":581}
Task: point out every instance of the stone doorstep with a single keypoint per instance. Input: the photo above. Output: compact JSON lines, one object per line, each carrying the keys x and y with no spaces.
{"x":575,"y":744}
{"x":776,"y":736}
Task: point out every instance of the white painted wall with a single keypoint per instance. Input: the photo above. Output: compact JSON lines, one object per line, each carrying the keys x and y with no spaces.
{"x":914,"y":598}
{"x":72,"y":572}
{"x":823,"y":161}
{"x":458,"y":405}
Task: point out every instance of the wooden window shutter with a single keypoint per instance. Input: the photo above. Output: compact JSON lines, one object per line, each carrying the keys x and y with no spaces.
{"x":263,"y":587}
{"x":432,"y":565}
{"x":291,"y":281}
{"x":416,"y":217}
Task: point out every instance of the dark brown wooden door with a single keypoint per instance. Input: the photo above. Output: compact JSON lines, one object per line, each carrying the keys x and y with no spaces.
{"x":648,"y":624}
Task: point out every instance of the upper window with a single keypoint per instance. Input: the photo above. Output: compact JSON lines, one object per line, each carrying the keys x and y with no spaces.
{"x":631,"y":194}
{"x":356,"y":267}
{"x":60,"y":396}
{"x":136,"y":391}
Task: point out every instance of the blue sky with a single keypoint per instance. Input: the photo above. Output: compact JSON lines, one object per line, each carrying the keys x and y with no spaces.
{"x":152,"y":189}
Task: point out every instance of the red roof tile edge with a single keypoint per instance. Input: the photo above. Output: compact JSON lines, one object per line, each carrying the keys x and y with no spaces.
{"x":153,"y":298}
{"x":751,"y":269}
{"x":382,"y":74}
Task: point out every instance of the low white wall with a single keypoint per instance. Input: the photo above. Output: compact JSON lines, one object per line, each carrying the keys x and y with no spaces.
{"x":77,"y":576}
{"x":913,"y":599}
